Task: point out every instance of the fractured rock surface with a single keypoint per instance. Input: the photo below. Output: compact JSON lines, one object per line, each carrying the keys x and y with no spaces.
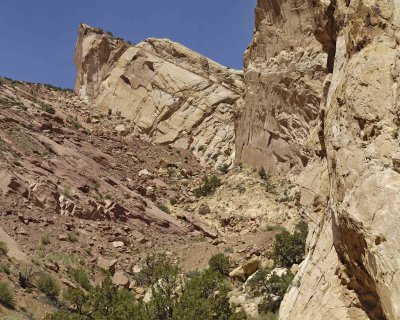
{"x":285,"y":67}
{"x":171,"y":94}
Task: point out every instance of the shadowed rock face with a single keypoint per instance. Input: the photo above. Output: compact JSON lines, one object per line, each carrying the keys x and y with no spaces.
{"x":171,"y":94}
{"x":285,"y":67}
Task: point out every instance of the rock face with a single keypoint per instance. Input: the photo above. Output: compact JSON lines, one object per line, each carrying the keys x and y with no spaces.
{"x":352,"y":270}
{"x":321,"y":102}
{"x":285,"y":67}
{"x":170,"y":94}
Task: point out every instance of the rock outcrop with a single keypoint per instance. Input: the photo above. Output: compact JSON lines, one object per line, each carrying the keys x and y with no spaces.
{"x":352,"y":269}
{"x":321,"y":105}
{"x":168,"y":93}
{"x":285,"y":67}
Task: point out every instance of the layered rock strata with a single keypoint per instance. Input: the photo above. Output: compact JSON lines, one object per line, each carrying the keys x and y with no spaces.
{"x":168,"y":93}
{"x":285,"y":67}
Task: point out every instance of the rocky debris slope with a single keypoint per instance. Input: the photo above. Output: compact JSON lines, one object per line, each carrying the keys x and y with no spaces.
{"x":285,"y":67}
{"x":171,"y":94}
{"x":76,"y":194}
{"x":352,"y":270}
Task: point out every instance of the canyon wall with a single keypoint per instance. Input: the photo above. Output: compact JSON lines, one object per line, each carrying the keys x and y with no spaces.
{"x":168,"y":93}
{"x":285,"y":67}
{"x":352,"y":270}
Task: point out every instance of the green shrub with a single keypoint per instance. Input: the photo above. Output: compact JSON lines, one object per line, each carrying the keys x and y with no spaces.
{"x":6,"y":297}
{"x":45,"y":240}
{"x":263,"y":174}
{"x":219,"y":263}
{"x":163,"y":207}
{"x":208,"y":187}
{"x":272,"y":287}
{"x":201,"y":148}
{"x":275,"y":228}
{"x":5,"y":268}
{"x":276,"y":288}
{"x":48,"y":108}
{"x":156,"y":267}
{"x":204,"y":297}
{"x":204,"y":210}
{"x":80,"y":277}
{"x":3,"y":248}
{"x":224,"y":168}
{"x":269,"y":316}
{"x":72,"y":237}
{"x":241,"y":315}
{"x":25,"y":276}
{"x":77,"y":298}
{"x":289,"y":249}
{"x":48,"y":286}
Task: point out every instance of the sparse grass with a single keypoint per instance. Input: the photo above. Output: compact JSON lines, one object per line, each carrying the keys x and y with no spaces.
{"x":25,"y":277}
{"x":48,"y":286}
{"x":74,"y":121}
{"x":275,"y":228}
{"x":198,"y":239}
{"x":48,"y":108}
{"x":142,"y":201}
{"x":45,"y":240}
{"x":66,"y":192}
{"x":72,"y":237}
{"x":163,"y":207}
{"x":63,"y":259}
{"x":3,"y":248}
{"x":80,"y":276}
{"x":5,"y":268}
{"x":6,"y":296}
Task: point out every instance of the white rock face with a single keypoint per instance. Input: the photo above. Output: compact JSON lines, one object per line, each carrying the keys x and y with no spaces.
{"x":171,"y":94}
{"x":352,"y":270}
{"x":285,"y":67}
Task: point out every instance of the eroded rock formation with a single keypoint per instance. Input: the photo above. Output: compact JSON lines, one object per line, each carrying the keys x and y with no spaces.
{"x":171,"y":94}
{"x":285,"y":67}
{"x":321,"y":96}
{"x":352,"y":270}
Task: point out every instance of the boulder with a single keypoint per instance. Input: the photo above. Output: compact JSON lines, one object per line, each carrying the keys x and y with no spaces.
{"x":119,"y":279}
{"x":106,"y":265}
{"x":251,"y":266}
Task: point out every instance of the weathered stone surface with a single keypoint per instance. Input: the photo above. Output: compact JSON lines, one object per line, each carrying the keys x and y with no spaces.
{"x":172,"y":94}
{"x":120,"y":280}
{"x":284,"y":71}
{"x":201,"y":226}
{"x":352,"y":269}
{"x":106,"y":265}
{"x":251,"y":266}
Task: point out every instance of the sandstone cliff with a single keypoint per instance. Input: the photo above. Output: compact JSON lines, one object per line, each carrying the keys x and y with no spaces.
{"x":352,"y":269}
{"x":321,"y":96}
{"x":171,"y":94}
{"x":285,"y":67}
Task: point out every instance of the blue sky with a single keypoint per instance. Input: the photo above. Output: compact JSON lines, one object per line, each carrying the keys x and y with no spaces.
{"x":38,"y":37}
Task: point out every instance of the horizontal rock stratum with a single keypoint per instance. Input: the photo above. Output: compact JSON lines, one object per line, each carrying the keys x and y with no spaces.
{"x":170,"y":94}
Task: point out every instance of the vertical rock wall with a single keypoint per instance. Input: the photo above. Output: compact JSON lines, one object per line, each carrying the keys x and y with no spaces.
{"x":352,"y":270}
{"x":284,"y":71}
